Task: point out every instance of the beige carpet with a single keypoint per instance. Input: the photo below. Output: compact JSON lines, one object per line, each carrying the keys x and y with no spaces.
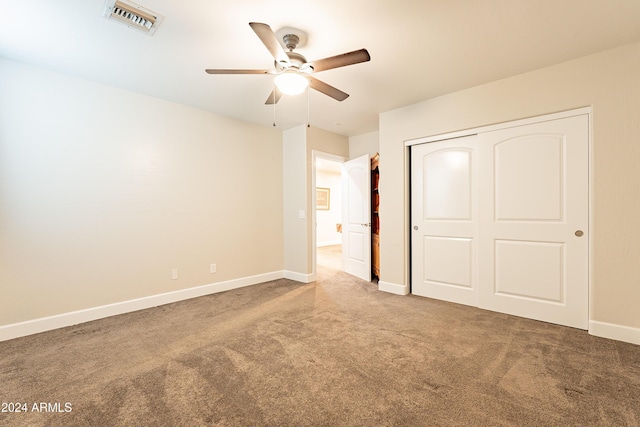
{"x":336,"y":352}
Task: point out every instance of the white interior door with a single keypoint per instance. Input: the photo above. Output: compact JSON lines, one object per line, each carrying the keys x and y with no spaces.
{"x":444,"y":220}
{"x":500,"y":220}
{"x":356,"y":217}
{"x":534,"y":221}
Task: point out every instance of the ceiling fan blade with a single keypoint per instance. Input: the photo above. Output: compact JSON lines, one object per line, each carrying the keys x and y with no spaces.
{"x":349,"y":58}
{"x":222,"y":71}
{"x":269,"y":39}
{"x":328,"y":90}
{"x":274,"y":97}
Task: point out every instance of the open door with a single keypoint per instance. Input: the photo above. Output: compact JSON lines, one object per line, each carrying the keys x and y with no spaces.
{"x":356,"y":217}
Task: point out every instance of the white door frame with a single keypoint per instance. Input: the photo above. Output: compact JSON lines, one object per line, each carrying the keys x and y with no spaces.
{"x":315,"y":154}
{"x":505,"y":125}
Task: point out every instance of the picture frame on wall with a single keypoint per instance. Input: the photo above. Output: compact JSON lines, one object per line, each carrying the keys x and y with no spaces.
{"x":323,"y":198}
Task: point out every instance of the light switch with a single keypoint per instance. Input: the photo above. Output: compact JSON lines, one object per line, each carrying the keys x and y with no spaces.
{"x":301,"y":214}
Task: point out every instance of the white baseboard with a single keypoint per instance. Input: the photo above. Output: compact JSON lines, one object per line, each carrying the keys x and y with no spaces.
{"x":16,"y":330}
{"x":615,"y":332}
{"x":299,"y":277}
{"x":393,"y":288}
{"x":49,"y":323}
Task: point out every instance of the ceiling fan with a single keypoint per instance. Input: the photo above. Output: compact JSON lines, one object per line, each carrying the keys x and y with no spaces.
{"x":292,"y":70}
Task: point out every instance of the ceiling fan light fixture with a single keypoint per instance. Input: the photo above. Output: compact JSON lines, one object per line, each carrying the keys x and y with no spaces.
{"x":291,"y":83}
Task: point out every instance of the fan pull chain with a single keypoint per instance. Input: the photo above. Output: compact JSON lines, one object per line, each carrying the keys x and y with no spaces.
{"x":274,"y":105}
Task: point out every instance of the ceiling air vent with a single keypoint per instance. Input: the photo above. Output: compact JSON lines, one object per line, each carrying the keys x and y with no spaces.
{"x":132,"y":15}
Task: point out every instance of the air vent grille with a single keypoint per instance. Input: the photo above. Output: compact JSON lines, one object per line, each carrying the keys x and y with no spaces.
{"x":132,"y":15}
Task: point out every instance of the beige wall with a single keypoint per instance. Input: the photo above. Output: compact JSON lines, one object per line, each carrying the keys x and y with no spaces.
{"x":368,"y":143}
{"x":298,"y":146}
{"x":294,"y":152}
{"x":608,"y":82}
{"x":103,"y":192}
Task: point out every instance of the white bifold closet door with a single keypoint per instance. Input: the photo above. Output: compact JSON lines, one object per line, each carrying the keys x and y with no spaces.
{"x":500,"y":220}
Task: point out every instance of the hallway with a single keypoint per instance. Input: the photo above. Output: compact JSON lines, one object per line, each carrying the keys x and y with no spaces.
{"x":329,"y":259}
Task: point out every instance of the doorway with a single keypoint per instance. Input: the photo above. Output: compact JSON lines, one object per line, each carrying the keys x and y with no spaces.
{"x":327,"y":212}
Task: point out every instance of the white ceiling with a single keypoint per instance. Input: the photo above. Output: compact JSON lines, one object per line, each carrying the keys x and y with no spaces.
{"x":419,"y":48}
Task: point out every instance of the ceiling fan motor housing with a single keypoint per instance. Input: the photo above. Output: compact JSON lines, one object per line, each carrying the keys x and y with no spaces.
{"x":296,"y":61}
{"x":291,"y":41}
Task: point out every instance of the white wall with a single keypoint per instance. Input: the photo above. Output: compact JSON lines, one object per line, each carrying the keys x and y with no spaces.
{"x":103,"y":192}
{"x":608,"y":82}
{"x":326,"y":233}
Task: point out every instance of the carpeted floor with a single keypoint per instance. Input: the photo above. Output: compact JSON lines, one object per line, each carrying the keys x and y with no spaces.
{"x":336,"y":352}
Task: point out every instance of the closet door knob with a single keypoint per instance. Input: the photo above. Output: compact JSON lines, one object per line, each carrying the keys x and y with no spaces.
{"x":579,"y":233}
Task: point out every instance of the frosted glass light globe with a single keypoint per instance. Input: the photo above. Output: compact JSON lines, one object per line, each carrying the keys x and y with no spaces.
{"x":291,"y":83}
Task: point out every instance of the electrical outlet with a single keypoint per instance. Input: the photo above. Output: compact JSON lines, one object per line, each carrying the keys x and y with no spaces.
{"x":174,"y":274}
{"x":212,"y":268}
